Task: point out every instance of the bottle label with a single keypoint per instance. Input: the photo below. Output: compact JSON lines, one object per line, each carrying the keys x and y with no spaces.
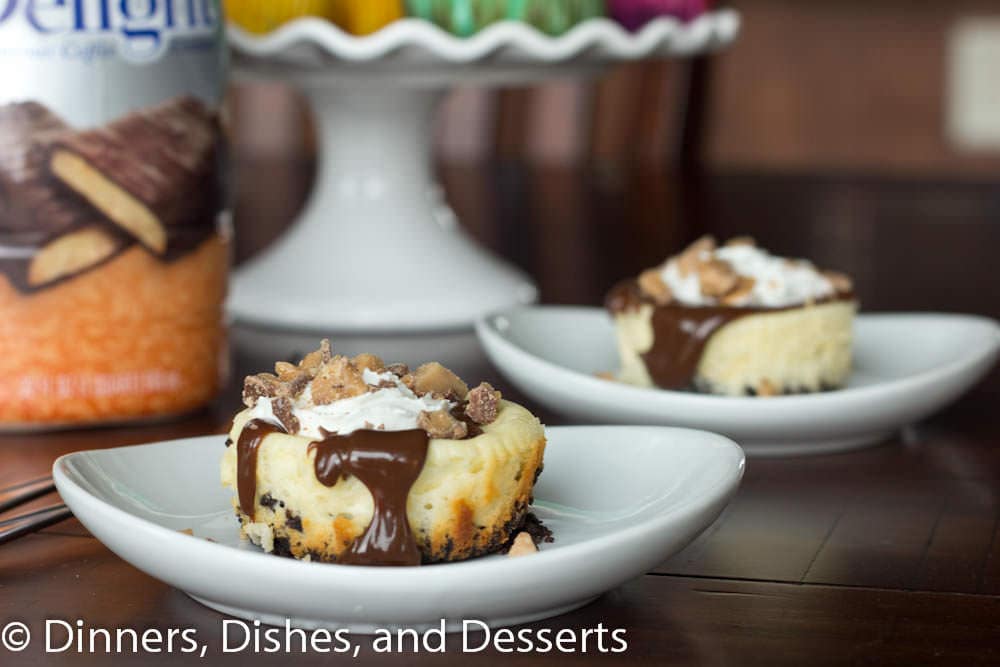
{"x":113,"y":247}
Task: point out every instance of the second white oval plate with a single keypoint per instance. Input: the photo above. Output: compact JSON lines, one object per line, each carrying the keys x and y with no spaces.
{"x":619,"y":501}
{"x":907,"y":366}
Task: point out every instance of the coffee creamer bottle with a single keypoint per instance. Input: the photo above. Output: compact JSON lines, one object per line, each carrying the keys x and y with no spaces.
{"x":113,"y":226}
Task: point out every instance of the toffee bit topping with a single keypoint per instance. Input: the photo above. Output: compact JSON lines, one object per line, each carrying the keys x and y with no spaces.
{"x":337,"y":379}
{"x":840,"y":281}
{"x":286,"y":370}
{"x":283,"y":410}
{"x":330,"y":378}
{"x":435,"y":379}
{"x":523,"y":546}
{"x":262,"y":385}
{"x":737,"y":274}
{"x":483,"y":404}
{"x":689,"y":260}
{"x":295,"y":377}
{"x":739,"y":294}
{"x":441,"y":424}
{"x":369,"y":362}
{"x":312,"y":361}
{"x":398,"y":369}
{"x":766,"y":388}
{"x":716,"y":277}
{"x":742,"y":240}
{"x":652,"y":285}
{"x":290,"y":380}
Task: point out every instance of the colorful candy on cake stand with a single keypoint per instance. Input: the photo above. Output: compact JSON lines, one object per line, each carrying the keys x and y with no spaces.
{"x":467,"y":17}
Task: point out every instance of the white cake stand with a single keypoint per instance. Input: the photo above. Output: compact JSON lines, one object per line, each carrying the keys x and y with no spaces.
{"x":377,"y":249}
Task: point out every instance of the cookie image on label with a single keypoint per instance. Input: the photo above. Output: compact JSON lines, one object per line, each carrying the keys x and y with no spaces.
{"x":141,"y":171}
{"x":58,"y":234}
{"x":114,"y":222}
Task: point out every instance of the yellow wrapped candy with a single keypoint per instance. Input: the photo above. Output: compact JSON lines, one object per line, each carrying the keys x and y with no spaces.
{"x":263,"y":16}
{"x":358,"y":17}
{"x":363,"y":17}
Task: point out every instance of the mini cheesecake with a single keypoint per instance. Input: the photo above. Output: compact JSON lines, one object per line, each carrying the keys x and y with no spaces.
{"x":734,"y":320}
{"x":353,"y":461}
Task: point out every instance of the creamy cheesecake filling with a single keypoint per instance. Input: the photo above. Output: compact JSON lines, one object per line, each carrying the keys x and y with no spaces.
{"x":796,"y":350}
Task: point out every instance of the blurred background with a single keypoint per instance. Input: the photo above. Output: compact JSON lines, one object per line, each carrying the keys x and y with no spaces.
{"x":825,"y":117}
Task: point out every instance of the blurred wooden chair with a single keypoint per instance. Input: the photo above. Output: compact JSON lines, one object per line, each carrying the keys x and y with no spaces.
{"x":644,"y":112}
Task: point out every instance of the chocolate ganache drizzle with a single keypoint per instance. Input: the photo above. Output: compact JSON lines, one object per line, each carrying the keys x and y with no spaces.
{"x":247,"y":448}
{"x":387,"y":462}
{"x":680,"y":332}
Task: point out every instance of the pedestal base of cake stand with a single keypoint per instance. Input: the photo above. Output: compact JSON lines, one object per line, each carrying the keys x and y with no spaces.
{"x":377,"y":248}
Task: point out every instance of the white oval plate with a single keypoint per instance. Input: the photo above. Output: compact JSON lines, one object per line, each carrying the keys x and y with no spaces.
{"x":409,"y":43}
{"x":619,"y":501}
{"x":907,"y":366}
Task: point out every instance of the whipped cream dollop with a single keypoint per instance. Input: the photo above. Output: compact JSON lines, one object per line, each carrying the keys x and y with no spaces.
{"x":393,"y":407}
{"x":778,"y":282}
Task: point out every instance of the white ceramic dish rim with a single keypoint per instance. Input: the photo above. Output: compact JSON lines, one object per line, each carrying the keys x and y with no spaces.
{"x":713,"y":29}
{"x":486,"y":328}
{"x":402,"y":580}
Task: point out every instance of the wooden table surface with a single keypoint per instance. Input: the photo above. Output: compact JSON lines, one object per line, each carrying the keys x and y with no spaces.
{"x":889,"y":555}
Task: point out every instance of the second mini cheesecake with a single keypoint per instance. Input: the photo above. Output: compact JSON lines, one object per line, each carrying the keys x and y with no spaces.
{"x":734,"y":320}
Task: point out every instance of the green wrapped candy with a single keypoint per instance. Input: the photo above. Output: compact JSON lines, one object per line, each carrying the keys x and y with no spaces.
{"x":459,"y":17}
{"x":554,"y":17}
{"x":467,"y":17}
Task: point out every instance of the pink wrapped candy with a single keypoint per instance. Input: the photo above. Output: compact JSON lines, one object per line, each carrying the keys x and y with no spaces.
{"x":633,"y":14}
